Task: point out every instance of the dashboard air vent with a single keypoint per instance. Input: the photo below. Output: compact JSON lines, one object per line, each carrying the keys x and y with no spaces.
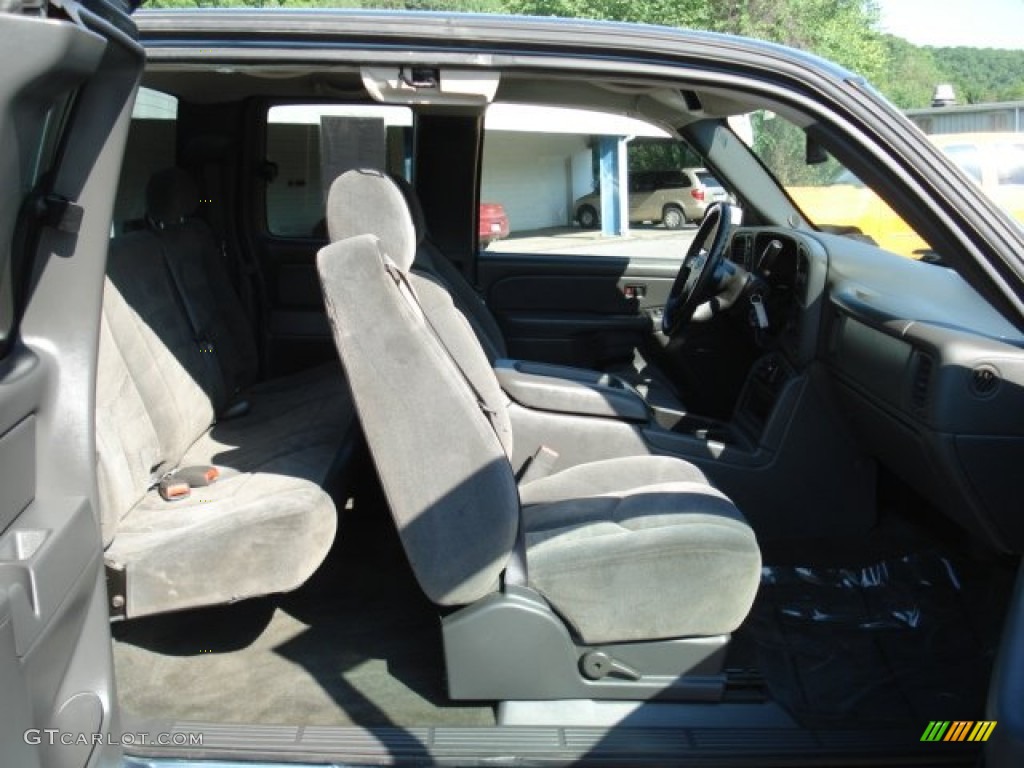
{"x":738,"y":250}
{"x":921,"y":383}
{"x":984,"y":381}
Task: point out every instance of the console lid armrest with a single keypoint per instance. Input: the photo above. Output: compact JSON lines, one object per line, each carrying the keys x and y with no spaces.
{"x":564,"y":389}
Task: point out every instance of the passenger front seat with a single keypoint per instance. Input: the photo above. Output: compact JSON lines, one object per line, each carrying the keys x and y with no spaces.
{"x":649,"y":380}
{"x":639,"y":550}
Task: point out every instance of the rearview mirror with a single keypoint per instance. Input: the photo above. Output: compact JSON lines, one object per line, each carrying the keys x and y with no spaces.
{"x":814,"y":153}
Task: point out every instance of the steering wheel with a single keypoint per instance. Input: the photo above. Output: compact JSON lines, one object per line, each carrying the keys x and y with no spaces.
{"x":694,"y":284}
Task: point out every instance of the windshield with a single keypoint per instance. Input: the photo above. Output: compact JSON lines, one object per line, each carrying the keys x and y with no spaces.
{"x":834,"y":199}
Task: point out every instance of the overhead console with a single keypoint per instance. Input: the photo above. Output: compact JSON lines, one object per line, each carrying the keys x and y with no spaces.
{"x":940,"y":406}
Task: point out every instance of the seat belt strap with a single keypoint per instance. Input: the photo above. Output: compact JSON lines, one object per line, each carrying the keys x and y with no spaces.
{"x":541,"y":464}
{"x":517,"y":572}
{"x":202,"y":339}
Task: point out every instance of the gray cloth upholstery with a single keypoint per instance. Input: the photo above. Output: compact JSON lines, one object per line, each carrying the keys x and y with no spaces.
{"x":609,"y":476}
{"x":650,"y":540}
{"x":447,"y":480}
{"x":637,"y":548}
{"x":267,"y":523}
{"x":649,"y":380}
{"x":171,"y":196}
{"x":431,"y":262}
{"x":246,"y":535}
{"x":350,"y":206}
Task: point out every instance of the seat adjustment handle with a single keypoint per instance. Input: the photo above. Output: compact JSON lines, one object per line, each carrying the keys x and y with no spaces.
{"x":597,"y":665}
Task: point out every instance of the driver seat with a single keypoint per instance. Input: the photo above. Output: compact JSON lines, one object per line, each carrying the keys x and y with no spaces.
{"x":649,"y":380}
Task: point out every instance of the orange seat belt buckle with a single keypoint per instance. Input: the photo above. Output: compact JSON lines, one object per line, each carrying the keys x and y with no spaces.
{"x":174,"y":489}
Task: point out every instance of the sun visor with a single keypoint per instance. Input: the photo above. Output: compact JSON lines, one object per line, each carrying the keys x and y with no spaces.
{"x":430,"y":85}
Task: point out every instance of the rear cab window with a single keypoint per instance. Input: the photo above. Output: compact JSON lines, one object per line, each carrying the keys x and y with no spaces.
{"x":151,"y":147}
{"x":309,"y":145}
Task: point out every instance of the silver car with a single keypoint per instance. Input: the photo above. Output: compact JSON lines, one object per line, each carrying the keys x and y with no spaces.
{"x":673,"y":198}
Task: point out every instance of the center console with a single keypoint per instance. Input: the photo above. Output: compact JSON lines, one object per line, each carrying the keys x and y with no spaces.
{"x":593,"y":415}
{"x":785,"y":449}
{"x":747,"y":428}
{"x":563,"y":389}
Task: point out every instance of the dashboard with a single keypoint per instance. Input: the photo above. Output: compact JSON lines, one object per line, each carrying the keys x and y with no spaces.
{"x":927,"y":375}
{"x":790,"y":270}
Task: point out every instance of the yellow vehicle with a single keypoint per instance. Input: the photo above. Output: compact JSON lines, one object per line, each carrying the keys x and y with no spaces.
{"x":994,"y":160}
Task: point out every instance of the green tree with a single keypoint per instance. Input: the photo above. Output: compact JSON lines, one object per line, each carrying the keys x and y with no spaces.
{"x":982,"y":74}
{"x":911,"y":74}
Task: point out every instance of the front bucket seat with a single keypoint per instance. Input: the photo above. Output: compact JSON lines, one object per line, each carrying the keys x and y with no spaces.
{"x":638,"y":553}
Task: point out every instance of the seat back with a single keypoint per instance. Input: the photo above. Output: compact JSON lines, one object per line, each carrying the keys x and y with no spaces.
{"x":430,"y":261}
{"x":421,"y":384}
{"x":200,"y":276}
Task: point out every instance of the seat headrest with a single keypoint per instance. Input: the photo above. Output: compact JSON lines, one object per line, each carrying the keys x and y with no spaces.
{"x":419,"y":221}
{"x":171,"y":197}
{"x":366,"y":201}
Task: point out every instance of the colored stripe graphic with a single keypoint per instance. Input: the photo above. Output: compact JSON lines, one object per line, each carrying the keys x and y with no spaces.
{"x":958,"y":730}
{"x":935,"y":731}
{"x":982,"y":730}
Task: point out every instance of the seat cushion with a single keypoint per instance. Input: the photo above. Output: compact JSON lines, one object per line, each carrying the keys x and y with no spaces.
{"x":300,"y":420}
{"x":243,"y":536}
{"x":622,"y":559}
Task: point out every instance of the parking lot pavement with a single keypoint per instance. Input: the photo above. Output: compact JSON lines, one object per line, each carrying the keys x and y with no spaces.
{"x":640,"y":242}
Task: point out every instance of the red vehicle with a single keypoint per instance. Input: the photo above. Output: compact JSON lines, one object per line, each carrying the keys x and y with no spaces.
{"x":493,"y":223}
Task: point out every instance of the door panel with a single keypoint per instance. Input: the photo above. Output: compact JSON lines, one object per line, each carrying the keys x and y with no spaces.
{"x":575,"y":310}
{"x":64,"y":113}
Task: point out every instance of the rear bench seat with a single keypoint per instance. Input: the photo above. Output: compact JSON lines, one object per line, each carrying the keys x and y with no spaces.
{"x":176,"y":388}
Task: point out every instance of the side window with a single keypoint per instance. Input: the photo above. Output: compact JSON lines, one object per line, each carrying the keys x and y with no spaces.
{"x":674,"y":180}
{"x":309,"y":145}
{"x":645,"y":182}
{"x":150,"y":148}
{"x":968,"y":157}
{"x":548,"y":168}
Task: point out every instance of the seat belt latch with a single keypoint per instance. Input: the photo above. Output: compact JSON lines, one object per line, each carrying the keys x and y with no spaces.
{"x":173,"y":489}
{"x":179,"y":484}
{"x":198,"y":476}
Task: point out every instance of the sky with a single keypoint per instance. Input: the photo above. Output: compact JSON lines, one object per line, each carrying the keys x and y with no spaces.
{"x":973,"y":23}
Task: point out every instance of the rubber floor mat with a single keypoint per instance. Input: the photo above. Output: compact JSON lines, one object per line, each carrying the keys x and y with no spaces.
{"x":904,"y":640}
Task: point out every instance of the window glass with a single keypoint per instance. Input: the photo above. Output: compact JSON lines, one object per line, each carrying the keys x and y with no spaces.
{"x":967,"y":157}
{"x":829,"y":194}
{"x":309,"y":145}
{"x":554,"y":171}
{"x":150,"y":148}
{"x":675,"y":180}
{"x":708,"y":180}
{"x":1010,"y":164}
